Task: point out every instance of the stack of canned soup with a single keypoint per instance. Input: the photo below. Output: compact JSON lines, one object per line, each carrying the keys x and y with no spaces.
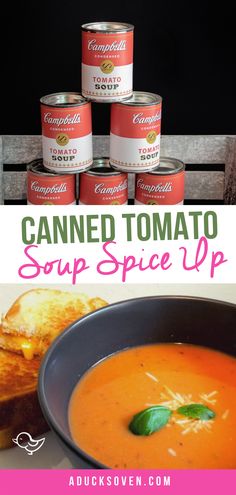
{"x":107,"y":77}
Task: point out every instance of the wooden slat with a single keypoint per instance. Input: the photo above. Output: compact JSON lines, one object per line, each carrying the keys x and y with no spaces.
{"x":190,"y":149}
{"x":230,"y":172}
{"x":204,"y":185}
{"x":195,"y":149}
{"x":211,"y":150}
{"x":14,"y":185}
{"x":101,"y":146}
{"x":23,"y":149}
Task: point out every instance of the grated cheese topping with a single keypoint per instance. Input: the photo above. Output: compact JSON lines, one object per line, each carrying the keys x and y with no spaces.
{"x":174,"y":400}
{"x":225,"y":414}
{"x":208,"y":397}
{"x":172,"y":452}
{"x":150,"y":375}
{"x":194,"y":425}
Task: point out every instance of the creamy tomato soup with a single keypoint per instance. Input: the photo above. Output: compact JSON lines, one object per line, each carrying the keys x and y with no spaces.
{"x":111,"y":393}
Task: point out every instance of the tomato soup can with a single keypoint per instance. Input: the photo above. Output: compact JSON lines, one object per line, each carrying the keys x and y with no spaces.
{"x":107,"y":61}
{"x":48,"y":188}
{"x":164,"y":186}
{"x":102,"y":185}
{"x":66,"y":133}
{"x":135,"y":133}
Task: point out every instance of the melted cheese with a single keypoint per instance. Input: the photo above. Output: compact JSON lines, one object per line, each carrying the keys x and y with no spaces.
{"x":19,"y":344}
{"x":28,"y":349}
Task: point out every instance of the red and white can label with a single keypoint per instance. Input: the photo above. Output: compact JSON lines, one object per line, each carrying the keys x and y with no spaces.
{"x":135,"y":137}
{"x":54,"y":190}
{"x":99,"y":190}
{"x":154,"y":189}
{"x":107,"y":65}
{"x":67,"y":138}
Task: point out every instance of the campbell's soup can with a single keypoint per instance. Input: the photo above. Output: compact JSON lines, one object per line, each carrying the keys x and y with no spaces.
{"x":107,"y":61}
{"x":164,"y":186}
{"x":47,"y":188}
{"x":66,"y":133}
{"x":135,"y":133}
{"x":102,"y":185}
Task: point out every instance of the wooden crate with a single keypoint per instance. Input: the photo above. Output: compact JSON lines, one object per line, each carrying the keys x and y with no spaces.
{"x":210,"y":165}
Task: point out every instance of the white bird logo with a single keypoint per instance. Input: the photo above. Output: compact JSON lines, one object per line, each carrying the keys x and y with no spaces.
{"x":25,"y":441}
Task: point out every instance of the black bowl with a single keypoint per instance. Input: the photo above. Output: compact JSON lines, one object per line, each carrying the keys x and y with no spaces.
{"x":118,"y":326}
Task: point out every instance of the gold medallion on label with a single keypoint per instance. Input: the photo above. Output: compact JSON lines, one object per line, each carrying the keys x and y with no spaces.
{"x":107,"y":66}
{"x":62,"y":139}
{"x":151,"y":137}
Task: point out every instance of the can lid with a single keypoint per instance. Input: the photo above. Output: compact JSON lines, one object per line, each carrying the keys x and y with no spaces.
{"x":142,"y":98}
{"x":168,"y":166}
{"x":101,"y":166}
{"x":65,"y":99}
{"x":36,"y":166}
{"x":107,"y":27}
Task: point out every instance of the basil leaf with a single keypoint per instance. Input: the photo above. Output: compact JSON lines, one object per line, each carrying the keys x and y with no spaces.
{"x":150,"y":420}
{"x":196,"y":411}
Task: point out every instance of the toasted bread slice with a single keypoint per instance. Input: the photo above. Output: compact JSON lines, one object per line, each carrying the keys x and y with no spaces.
{"x":19,"y":406}
{"x":39,"y":315}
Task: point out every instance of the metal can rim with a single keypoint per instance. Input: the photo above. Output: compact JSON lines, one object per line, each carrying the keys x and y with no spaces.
{"x":105,"y":163}
{"x":154,"y":99}
{"x":124,"y":27}
{"x":96,"y":99}
{"x":38,"y":163}
{"x":178,"y":166}
{"x":81,"y":100}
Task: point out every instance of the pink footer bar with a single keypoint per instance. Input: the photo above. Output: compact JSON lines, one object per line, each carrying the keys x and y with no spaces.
{"x":126,"y":482}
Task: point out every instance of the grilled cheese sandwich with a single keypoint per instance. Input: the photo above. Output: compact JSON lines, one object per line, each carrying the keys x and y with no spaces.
{"x":27,"y":347}
{"x":27,"y":330}
{"x":38,"y":316}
